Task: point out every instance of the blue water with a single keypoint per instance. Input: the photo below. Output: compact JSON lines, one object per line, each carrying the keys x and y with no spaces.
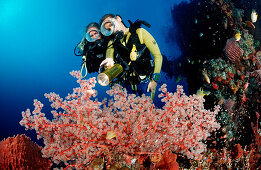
{"x":37,"y":39}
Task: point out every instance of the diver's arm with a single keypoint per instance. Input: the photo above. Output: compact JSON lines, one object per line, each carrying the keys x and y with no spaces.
{"x":147,"y":39}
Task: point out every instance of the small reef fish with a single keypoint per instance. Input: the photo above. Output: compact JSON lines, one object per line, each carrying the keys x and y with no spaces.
{"x":215,"y":86}
{"x":221,"y":101}
{"x":178,"y":79}
{"x":204,"y":72}
{"x":250,"y":24}
{"x":254,"y":16}
{"x":246,"y":85}
{"x":225,"y":23}
{"x":237,"y":36}
{"x":235,"y":88}
{"x":111,"y":134}
{"x":202,"y":93}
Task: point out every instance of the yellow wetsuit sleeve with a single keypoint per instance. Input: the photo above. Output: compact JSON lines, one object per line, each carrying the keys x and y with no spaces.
{"x":110,"y":50}
{"x":147,"y":39}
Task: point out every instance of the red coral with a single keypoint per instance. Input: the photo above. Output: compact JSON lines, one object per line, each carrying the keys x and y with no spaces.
{"x":125,"y":125}
{"x":21,"y":153}
{"x":232,"y":50}
{"x":237,"y":151}
{"x":168,"y":161}
{"x":215,"y":86}
{"x":255,"y":156}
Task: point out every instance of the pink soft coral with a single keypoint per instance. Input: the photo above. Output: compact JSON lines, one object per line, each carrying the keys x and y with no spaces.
{"x":78,"y":131}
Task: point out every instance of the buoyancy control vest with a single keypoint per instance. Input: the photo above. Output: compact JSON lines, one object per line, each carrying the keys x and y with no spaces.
{"x":95,"y":54}
{"x":133,"y":56}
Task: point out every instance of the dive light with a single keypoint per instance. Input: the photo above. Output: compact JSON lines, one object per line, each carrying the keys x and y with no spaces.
{"x":108,"y":75}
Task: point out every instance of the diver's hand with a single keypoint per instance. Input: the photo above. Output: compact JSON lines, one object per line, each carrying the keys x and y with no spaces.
{"x":152,"y":86}
{"x":108,"y":63}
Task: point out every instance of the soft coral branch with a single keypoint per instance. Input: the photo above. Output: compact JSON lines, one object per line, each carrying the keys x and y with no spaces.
{"x":79,"y":132}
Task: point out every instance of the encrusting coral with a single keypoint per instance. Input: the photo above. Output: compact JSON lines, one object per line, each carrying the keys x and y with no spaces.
{"x":19,"y":152}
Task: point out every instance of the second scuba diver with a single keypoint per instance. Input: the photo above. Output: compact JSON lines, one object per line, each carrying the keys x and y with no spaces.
{"x":131,"y":48}
{"x":92,"y":48}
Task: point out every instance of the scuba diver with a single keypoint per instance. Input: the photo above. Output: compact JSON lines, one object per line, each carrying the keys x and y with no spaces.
{"x":131,"y":48}
{"x":92,"y":48}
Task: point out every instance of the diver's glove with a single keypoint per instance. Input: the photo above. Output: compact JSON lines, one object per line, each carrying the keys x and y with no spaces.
{"x":156,"y":77}
{"x":108,"y":63}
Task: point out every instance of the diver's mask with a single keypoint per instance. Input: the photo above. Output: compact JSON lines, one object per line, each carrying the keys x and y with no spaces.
{"x":109,"y":26}
{"x":92,"y":35}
